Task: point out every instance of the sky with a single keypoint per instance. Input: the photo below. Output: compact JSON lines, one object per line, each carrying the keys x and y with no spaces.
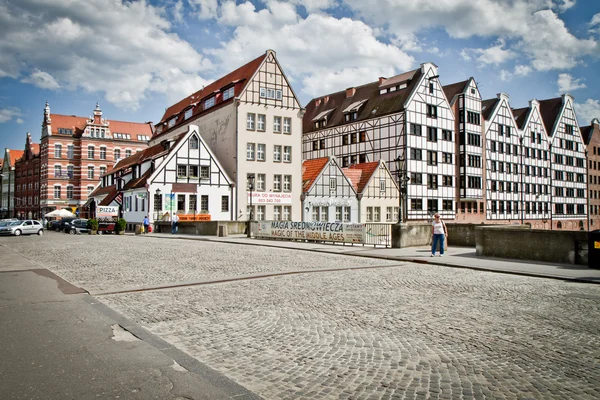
{"x":136,"y":58}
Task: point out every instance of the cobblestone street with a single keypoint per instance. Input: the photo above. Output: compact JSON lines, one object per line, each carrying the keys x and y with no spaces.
{"x":399,"y":331}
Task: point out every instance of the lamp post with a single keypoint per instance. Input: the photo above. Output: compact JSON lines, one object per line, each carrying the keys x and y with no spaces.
{"x":158,"y":203}
{"x":402,"y":183}
{"x":251,"y":188}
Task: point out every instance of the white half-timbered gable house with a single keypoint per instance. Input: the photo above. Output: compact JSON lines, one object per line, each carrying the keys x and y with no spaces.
{"x":503,"y":162}
{"x":252,"y":120}
{"x":377,"y":192}
{"x":465,"y":101}
{"x":535,"y":174}
{"x":328,"y":194}
{"x":568,"y":169}
{"x":405,"y":116}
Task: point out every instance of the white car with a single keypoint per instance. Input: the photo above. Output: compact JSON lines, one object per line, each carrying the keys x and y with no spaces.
{"x":26,"y":227}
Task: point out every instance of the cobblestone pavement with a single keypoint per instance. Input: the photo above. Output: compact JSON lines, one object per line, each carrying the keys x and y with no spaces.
{"x":407,"y":332}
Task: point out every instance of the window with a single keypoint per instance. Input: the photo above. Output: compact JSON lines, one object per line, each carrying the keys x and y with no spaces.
{"x":287,"y":154}
{"x":57,"y":192}
{"x":194,"y":142}
{"x":228,"y":93}
{"x":431,"y":134}
{"x":287,"y":213}
{"x":353,"y":138}
{"x":90,"y":172}
{"x":204,"y":172}
{"x":315,"y":145}
{"x":57,"y":150}
{"x":287,"y":183}
{"x":117,"y":154}
{"x":447,"y":135}
{"x":416,"y":154}
{"x":431,"y":87}
{"x":260,"y":123}
{"x":127,"y":153}
{"x":91,"y":152}
{"x":369,"y":214}
{"x":172,"y":122}
{"x":376,"y":214}
{"x":416,"y":178}
{"x":260,"y":182}
{"x":204,"y":204}
{"x":193,"y":171}
{"x":275,"y":94}
{"x":473,"y":118}
{"x":432,"y":181}
{"x":277,"y":183}
{"x":447,"y":158}
{"x":416,"y":130}
{"x":287,"y":125}
{"x":90,"y":189}
{"x":260,"y":152}
{"x":447,"y":205}
{"x":362,"y":136}
{"x":277,"y":124}
{"x":432,"y":205}
{"x":181,"y":171}
{"x":57,"y":171}
{"x":474,"y":140}
{"x":188,"y":113}
{"x":431,"y":157}
{"x":277,"y":213}
{"x":277,"y":153}
{"x":103,"y":153}
{"x":250,"y":151}
{"x":208,"y":103}
{"x":321,"y":144}
{"x":569,"y":129}
{"x":225,"y":203}
{"x":250,"y":121}
{"x":416,"y":204}
{"x":102,"y":171}
{"x":70,"y":151}
{"x":447,"y":180}
{"x":382,"y":185}
{"x":431,"y":111}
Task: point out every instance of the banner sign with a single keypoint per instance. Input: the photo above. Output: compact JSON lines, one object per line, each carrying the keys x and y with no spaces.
{"x":107,"y":217}
{"x":169,"y":203}
{"x":316,"y":231}
{"x":270,"y":198}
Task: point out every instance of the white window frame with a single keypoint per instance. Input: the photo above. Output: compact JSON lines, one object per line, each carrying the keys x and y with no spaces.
{"x":188,"y":113}
{"x":91,"y":172}
{"x":276,"y":153}
{"x":260,"y":151}
{"x":228,"y":93}
{"x":58,"y":149}
{"x":287,"y":154}
{"x":208,"y":103}
{"x":261,"y":122}
{"x":287,"y":183}
{"x":287,"y":125}
{"x":277,"y":124}
{"x":194,"y":142}
{"x":59,"y":188}
{"x":260,"y":182}
{"x":103,"y":152}
{"x":250,"y":121}
{"x":250,"y":151}
{"x":277,"y":183}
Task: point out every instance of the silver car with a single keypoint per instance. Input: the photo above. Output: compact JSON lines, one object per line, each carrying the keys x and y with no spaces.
{"x":26,"y":227}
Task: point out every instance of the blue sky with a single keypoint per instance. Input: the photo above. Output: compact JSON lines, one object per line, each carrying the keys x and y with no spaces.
{"x":136,"y":58}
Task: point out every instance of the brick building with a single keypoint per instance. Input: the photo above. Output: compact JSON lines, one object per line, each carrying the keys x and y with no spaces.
{"x":591,"y":138}
{"x":76,"y":151}
{"x":27,"y":186}
{"x":7,"y":182}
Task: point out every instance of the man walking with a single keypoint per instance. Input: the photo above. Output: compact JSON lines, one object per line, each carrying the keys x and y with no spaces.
{"x":146,"y":224}
{"x":174,"y":224}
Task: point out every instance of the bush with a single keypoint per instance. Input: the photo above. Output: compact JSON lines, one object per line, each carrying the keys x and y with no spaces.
{"x":92,"y":224}
{"x":121,"y":225}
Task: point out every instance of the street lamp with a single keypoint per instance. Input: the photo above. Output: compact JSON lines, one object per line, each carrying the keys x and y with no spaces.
{"x":158,"y":203}
{"x":250,"y":182}
{"x":402,"y":182}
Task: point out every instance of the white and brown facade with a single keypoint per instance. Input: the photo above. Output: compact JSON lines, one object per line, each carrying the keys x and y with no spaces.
{"x":77,"y":151}
{"x":406,"y":116}
{"x":252,"y":121}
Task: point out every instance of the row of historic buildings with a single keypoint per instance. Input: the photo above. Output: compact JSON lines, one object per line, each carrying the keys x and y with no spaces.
{"x":243,"y":147}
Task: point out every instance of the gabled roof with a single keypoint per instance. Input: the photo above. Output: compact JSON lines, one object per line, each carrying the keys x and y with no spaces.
{"x":454,"y":88}
{"x":110,"y":196}
{"x":102,"y":190}
{"x":550,"y":110}
{"x":374,"y":104}
{"x":141,"y":156}
{"x":361,"y":180}
{"x":311,"y":169}
{"x":238,"y":79}
{"x":14,"y":156}
{"x":488,"y":106}
{"x":78,"y":124}
{"x":520,"y":115}
{"x":586,"y":133}
{"x":138,"y":182}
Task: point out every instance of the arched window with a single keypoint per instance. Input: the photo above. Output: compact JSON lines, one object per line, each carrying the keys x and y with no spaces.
{"x":559,"y":225}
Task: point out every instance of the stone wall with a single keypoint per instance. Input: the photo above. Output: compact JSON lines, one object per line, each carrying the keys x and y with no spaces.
{"x":567,"y":247}
{"x":411,"y":235}
{"x":463,"y":235}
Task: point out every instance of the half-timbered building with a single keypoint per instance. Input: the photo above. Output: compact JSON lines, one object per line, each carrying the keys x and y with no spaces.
{"x":328,"y":195}
{"x":465,"y":101}
{"x":591,"y":138}
{"x":406,"y":116}
{"x":252,"y":121}
{"x":567,"y":161}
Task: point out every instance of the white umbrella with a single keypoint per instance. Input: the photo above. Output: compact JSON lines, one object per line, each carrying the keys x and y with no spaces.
{"x":61,"y":214}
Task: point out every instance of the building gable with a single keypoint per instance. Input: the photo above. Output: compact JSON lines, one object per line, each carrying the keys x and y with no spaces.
{"x":331,"y":182}
{"x":381,"y":183}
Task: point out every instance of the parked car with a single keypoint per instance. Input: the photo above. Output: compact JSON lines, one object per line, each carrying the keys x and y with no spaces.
{"x":51,"y":225}
{"x":79,"y":226}
{"x":64,"y":225}
{"x":26,"y":227}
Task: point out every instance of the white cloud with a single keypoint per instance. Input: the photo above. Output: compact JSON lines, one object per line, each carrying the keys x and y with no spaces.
{"x":564,"y":5}
{"x":121,"y":50}
{"x":207,"y":9}
{"x":567,"y":84}
{"x":522,"y":70}
{"x":351,"y":55}
{"x":42,"y":80}
{"x":505,"y":75}
{"x":314,"y":5}
{"x":595,"y":20}
{"x":10,"y":113}
{"x":587,"y":111}
{"x":493,"y":55}
{"x":19,"y":121}
{"x":177,"y":11}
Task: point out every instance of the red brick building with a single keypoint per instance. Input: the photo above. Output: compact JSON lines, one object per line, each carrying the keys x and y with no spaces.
{"x":27,"y":183}
{"x":76,"y":151}
{"x":591,"y":138}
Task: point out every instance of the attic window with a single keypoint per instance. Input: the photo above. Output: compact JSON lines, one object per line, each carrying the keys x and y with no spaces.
{"x":228,"y":93}
{"x":275,"y":94}
{"x":472,"y":91}
{"x":194,"y":142}
{"x":188,"y":113}
{"x":159,"y":129}
{"x":172,"y":122}
{"x":209,"y":103}
{"x":64,"y":131}
{"x":351,"y":116}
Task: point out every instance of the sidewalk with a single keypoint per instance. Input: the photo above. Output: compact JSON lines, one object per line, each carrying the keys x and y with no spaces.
{"x":457,"y":257}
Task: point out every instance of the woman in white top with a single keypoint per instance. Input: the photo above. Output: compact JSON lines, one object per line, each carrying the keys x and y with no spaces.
{"x":438,"y":230}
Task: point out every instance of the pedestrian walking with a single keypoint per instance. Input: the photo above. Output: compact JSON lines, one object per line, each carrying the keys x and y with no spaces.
{"x":146,"y":224}
{"x":439,"y":233}
{"x":174,"y":223}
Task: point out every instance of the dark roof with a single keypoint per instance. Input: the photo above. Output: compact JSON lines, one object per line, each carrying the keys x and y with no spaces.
{"x":374,"y":105}
{"x":238,"y":79}
{"x":110,"y":196}
{"x":454,"y":88}
{"x":139,"y":182}
{"x":99,"y":191}
{"x":520,"y":115}
{"x":488,"y":106}
{"x":144,"y":155}
{"x":550,"y":109}
{"x":586,"y":133}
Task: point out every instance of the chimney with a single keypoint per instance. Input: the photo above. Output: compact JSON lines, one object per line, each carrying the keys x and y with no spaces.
{"x":381,"y":80}
{"x":350,"y":92}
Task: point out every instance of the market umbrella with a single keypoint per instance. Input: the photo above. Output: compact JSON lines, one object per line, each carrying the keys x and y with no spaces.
{"x":61,"y":214}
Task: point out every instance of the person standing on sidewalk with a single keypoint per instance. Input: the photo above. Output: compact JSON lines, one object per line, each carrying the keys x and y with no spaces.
{"x":146,"y":224}
{"x":174,"y":223}
{"x":439,"y":233}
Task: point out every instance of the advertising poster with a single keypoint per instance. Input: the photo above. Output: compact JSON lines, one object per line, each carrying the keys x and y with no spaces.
{"x":317,"y":231}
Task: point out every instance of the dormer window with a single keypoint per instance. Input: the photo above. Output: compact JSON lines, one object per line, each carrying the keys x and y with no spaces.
{"x":188,"y":113}
{"x":172,"y":122}
{"x":228,"y":93}
{"x":209,"y":103}
{"x":351,"y":116}
{"x":159,"y":129}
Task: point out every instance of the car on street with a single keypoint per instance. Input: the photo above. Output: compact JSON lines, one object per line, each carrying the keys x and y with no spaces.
{"x":79,"y":226}
{"x":64,"y":225}
{"x":26,"y":227}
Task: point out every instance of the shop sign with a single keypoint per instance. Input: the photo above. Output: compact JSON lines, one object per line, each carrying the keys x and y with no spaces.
{"x":270,"y":198}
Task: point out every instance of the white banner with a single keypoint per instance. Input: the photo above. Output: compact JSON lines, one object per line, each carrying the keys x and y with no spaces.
{"x":259,"y":198}
{"x":317,"y":231}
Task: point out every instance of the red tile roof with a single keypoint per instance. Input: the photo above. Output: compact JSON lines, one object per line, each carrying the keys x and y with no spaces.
{"x":14,"y":156}
{"x":99,"y":191}
{"x":454,"y":88}
{"x":110,"y":196}
{"x":375,"y":104}
{"x":141,"y":156}
{"x":78,"y":124}
{"x":550,"y":109}
{"x":366,"y":172}
{"x":35,"y":148}
{"x":311,"y":170}
{"x":239,"y":78}
{"x":139,"y":182}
